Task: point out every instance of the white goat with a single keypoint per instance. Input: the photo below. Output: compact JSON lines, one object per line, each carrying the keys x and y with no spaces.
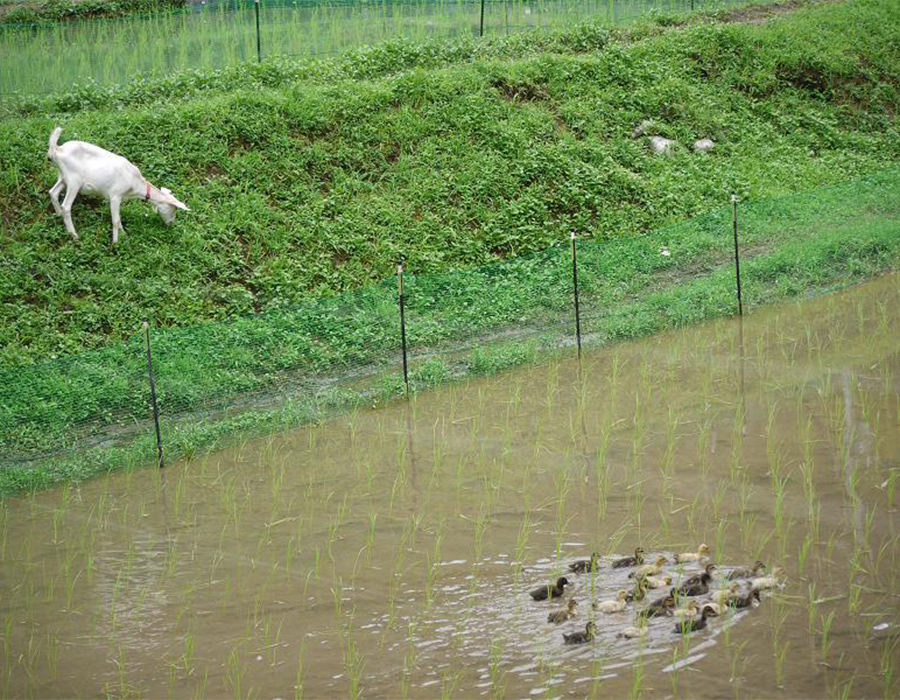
{"x":84,"y":167}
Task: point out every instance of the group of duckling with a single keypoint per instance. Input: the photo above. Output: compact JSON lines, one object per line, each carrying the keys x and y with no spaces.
{"x":692,"y":600}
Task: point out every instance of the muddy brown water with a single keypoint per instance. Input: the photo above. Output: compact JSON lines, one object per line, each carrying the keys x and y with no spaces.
{"x":389,"y":553}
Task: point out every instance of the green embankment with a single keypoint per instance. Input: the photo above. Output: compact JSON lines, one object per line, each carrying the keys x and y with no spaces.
{"x":61,"y":10}
{"x":303,"y":189}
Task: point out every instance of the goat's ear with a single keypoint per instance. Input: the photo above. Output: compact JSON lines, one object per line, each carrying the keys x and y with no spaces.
{"x":179,"y":205}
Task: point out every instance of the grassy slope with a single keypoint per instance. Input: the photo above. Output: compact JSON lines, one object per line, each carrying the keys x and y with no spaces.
{"x":308,"y":189}
{"x":554,"y":154}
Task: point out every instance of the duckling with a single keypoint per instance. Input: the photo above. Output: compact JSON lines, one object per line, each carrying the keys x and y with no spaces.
{"x":694,"y":586}
{"x":640,"y":590}
{"x":612,"y":606}
{"x":766,"y":582}
{"x":580,"y":567}
{"x":692,"y":624}
{"x":590,"y":629}
{"x":744,"y":601}
{"x":551,"y":590}
{"x":722,"y":597}
{"x":709,"y":569}
{"x":715,"y":609}
{"x":639,"y":630}
{"x":563,"y":614}
{"x":658,"y":581}
{"x":687,"y":612}
{"x":661,"y":607}
{"x":685,"y":557}
{"x":648,"y":569}
{"x":638,"y":558}
{"x":758,"y":568}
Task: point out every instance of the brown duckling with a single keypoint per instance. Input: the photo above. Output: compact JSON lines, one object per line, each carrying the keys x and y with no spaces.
{"x":585,"y":565}
{"x":744,"y":601}
{"x":590,"y":629}
{"x":563,"y":614}
{"x":693,"y":624}
{"x":638,"y":558}
{"x":698,"y":585}
{"x":661,"y":607}
{"x":649,"y":569}
{"x":640,"y":590}
{"x":551,"y":590}
{"x":758,"y":569}
{"x":612,"y":606}
{"x":701,"y":553}
{"x":709,"y":569}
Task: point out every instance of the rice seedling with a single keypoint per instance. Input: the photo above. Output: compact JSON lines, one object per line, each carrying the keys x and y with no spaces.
{"x":825,"y":640}
{"x":235,"y":672}
{"x":886,"y":658}
{"x":354,"y":663}
{"x":497,"y":674}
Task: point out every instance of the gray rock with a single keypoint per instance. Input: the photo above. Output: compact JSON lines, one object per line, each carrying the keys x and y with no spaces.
{"x":642,"y":129}
{"x":704,"y":145}
{"x":661,"y":146}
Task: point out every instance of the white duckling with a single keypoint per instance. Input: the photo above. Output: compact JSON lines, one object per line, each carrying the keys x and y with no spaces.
{"x":722,"y":597}
{"x":690,"y":610}
{"x":701,"y":553}
{"x":658,"y":581}
{"x":649,"y":569}
{"x":765,"y":582}
{"x":612,"y":606}
{"x":715,"y":609}
{"x":635,"y":632}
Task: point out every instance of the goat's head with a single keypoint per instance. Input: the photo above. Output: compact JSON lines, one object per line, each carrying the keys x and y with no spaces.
{"x":166,"y":205}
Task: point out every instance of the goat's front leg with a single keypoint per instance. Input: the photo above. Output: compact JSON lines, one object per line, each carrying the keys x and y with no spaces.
{"x":71,"y":193}
{"x":114,"y":203}
{"x":54,"y":195}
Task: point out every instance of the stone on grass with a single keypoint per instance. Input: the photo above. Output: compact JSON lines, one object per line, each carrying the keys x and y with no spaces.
{"x":642,"y":129}
{"x":661,"y":146}
{"x":704,"y":145}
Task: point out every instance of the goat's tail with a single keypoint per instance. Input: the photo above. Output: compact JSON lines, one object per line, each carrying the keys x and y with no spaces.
{"x":54,"y":138}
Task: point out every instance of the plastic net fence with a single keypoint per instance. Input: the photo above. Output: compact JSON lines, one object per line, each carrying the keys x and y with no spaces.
{"x":278,"y":369}
{"x":48,"y":57}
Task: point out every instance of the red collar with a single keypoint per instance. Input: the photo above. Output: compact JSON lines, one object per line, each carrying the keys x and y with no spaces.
{"x":147,"y":197}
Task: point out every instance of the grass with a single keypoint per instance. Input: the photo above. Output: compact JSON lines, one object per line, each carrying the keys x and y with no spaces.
{"x":476,"y":167}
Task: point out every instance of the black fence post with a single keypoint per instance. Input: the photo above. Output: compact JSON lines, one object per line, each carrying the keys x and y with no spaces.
{"x":159,"y":448}
{"x":481,"y":24}
{"x":737,"y":257}
{"x":403,"y":325}
{"x":575,"y":287}
{"x":258,"y":39}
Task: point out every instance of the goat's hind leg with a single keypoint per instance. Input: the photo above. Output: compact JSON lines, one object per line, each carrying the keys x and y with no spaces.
{"x":54,"y":195}
{"x":71,"y":193}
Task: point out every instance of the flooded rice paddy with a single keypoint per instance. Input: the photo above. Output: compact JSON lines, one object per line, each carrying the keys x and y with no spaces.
{"x":390,"y":552}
